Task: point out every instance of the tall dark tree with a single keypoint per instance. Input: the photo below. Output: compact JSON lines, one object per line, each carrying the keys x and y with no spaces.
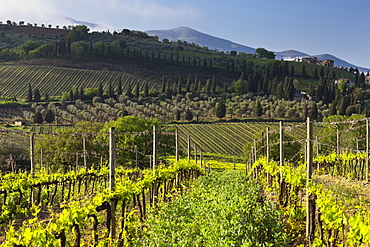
{"x":220,"y":109}
{"x":100,"y":90}
{"x":137,"y":90}
{"x":146,"y":90}
{"x":314,"y":112}
{"x":37,"y":118}
{"x":29,"y":94}
{"x":303,"y":71}
{"x":119,"y":86}
{"x":208,"y":86}
{"x":258,"y":108}
{"x":188,"y":115}
{"x":177,"y":115}
{"x":36,"y":95}
{"x":49,"y":116}
{"x":110,"y":93}
{"x":179,"y":87}
{"x":188,"y":87}
{"x":129,"y":91}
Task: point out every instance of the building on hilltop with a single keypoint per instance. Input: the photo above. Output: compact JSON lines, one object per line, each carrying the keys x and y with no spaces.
{"x":327,"y":62}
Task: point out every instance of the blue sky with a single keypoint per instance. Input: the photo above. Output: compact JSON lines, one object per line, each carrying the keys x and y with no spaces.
{"x":337,"y":27}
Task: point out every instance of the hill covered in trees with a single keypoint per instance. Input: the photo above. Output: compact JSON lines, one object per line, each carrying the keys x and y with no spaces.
{"x":84,"y":65}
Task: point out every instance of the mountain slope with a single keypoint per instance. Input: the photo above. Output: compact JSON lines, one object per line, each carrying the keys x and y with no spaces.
{"x":192,"y":36}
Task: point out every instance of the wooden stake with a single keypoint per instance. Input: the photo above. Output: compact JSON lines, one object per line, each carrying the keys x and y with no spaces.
{"x":281,"y":151}
{"x":310,"y":209}
{"x":177,"y":144}
{"x":112,"y":173}
{"x":84,"y":148}
{"x":155,"y":146}
{"x":188,"y":148}
{"x":32,"y":152}
{"x":367,"y":150}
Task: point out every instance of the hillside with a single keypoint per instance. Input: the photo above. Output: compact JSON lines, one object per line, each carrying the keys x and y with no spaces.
{"x":192,"y":36}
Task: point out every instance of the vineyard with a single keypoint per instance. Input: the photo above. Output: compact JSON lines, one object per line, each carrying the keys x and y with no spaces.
{"x":15,"y":79}
{"x":229,"y":138}
{"x":79,"y":203}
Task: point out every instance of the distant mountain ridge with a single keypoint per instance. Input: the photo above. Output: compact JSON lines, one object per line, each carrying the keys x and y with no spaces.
{"x":192,"y":36}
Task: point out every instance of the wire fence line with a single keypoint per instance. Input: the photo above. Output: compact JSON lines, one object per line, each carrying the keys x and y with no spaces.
{"x":351,"y":134}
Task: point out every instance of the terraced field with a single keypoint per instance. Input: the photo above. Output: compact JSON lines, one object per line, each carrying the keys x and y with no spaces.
{"x":14,"y":79}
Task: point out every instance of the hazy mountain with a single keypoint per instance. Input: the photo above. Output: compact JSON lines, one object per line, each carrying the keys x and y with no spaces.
{"x":289,"y":55}
{"x":76,"y":22}
{"x":192,"y":36}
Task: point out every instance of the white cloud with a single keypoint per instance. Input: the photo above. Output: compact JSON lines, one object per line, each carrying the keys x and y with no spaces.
{"x":108,"y":13}
{"x":33,"y":11}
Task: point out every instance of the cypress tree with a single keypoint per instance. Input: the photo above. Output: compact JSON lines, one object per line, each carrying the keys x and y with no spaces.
{"x":137,"y":90}
{"x":188,"y":115}
{"x":119,"y":86}
{"x":146,"y":90}
{"x":179,"y":89}
{"x":100,"y":90}
{"x":214,"y":84}
{"x":129,"y":91}
{"x":220,"y":109}
{"x":163,"y":88}
{"x":36,"y":95}
{"x":258,"y":108}
{"x":49,"y":116}
{"x":177,"y":115}
{"x":208,"y":86}
{"x":187,"y":87}
{"x":303,"y":71}
{"x":29,"y":95}
{"x":71,"y":96}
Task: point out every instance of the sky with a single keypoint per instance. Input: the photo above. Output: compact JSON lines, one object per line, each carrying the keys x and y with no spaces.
{"x":337,"y":27}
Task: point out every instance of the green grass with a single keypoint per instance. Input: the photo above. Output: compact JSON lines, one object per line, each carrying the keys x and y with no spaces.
{"x":223,"y":209}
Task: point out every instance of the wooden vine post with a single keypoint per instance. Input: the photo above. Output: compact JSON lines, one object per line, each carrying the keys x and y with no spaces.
{"x":268,"y":153}
{"x":195,"y":153}
{"x":310,"y":198}
{"x":188,"y":148}
{"x":84,"y":148}
{"x":155,"y":146}
{"x":32,"y":152}
{"x":367,"y":150}
{"x":281,"y":149}
{"x":112,"y":173}
{"x":177,"y":144}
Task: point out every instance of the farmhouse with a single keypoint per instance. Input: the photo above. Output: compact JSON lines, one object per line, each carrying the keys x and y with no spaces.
{"x":327,"y":62}
{"x":20,"y":122}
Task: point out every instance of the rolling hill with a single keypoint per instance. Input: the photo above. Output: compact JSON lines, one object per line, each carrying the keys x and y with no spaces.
{"x":192,"y":36}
